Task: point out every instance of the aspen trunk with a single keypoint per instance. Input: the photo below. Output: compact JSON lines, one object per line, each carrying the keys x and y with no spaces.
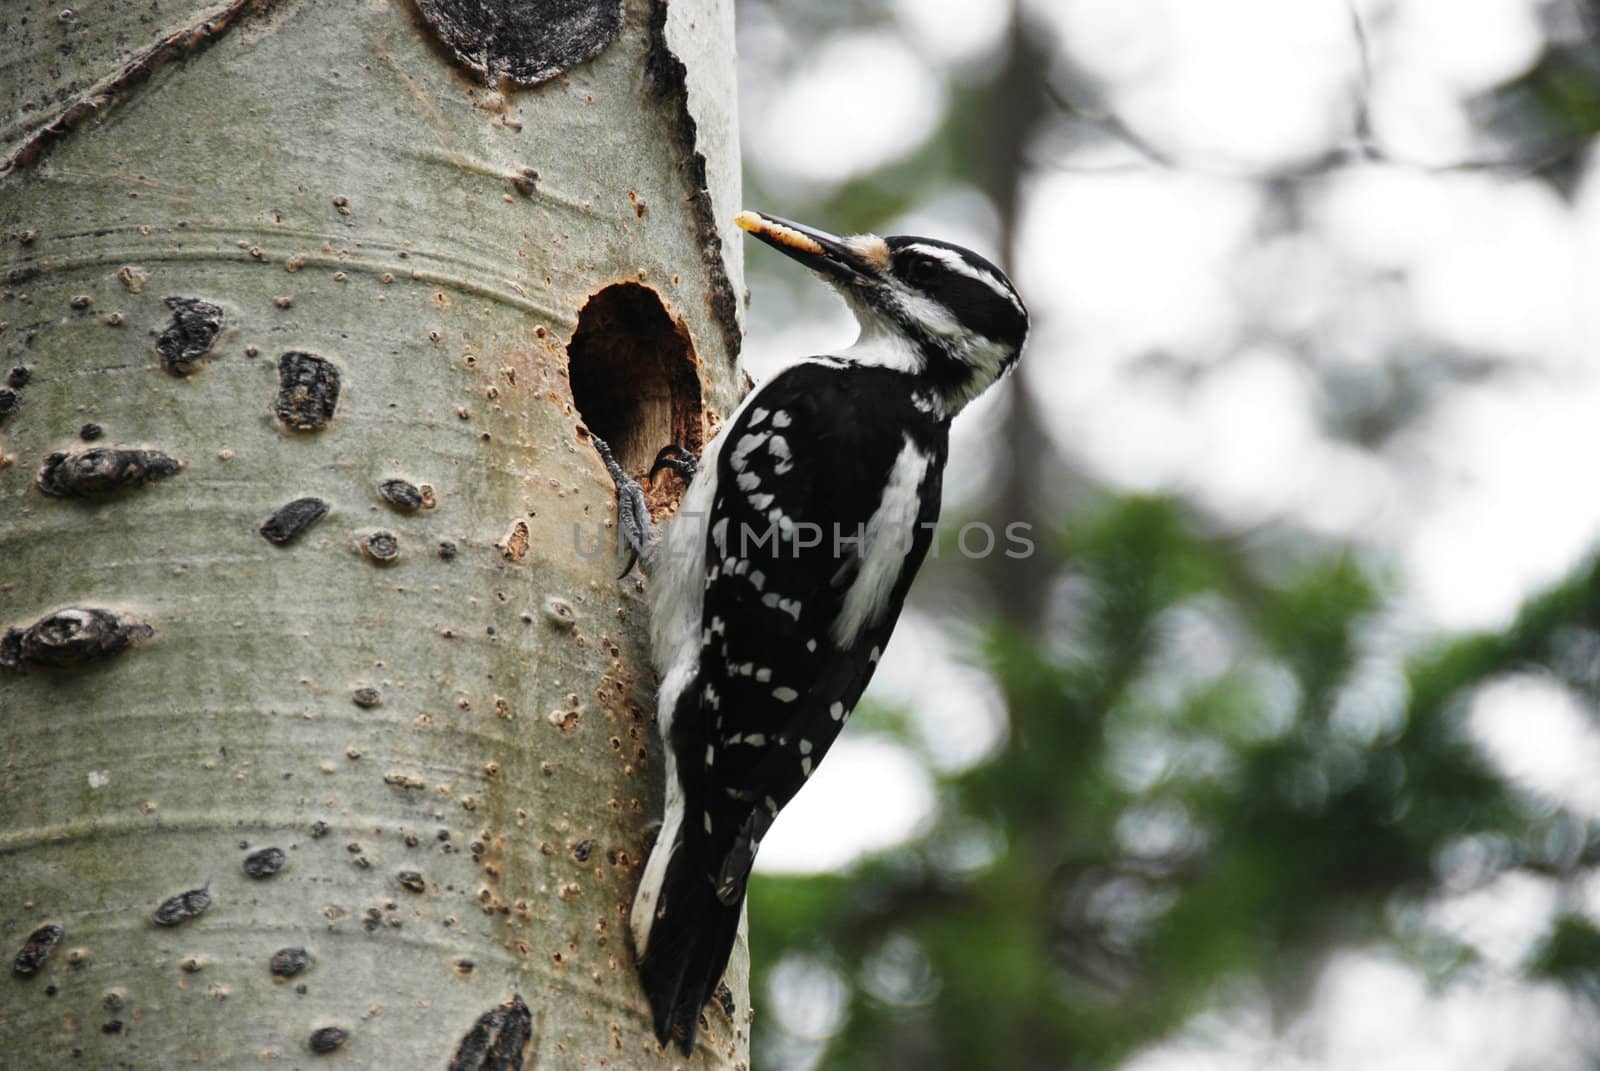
{"x":325,"y":725}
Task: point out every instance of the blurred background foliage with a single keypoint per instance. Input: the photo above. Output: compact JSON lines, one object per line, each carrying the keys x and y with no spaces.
{"x":1156,"y":832}
{"x":1234,"y":760}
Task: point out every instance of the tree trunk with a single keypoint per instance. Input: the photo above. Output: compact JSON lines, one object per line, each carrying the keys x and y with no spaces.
{"x":325,"y":725}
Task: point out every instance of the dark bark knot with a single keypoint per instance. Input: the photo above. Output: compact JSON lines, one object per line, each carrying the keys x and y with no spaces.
{"x":71,"y":637}
{"x":10,"y":402}
{"x":292,"y":519}
{"x":176,"y":910}
{"x":11,"y":393}
{"x":190,"y":335}
{"x":308,"y":391}
{"x":403,"y":495}
{"x":496,"y":1040}
{"x":381,"y":547}
{"x":523,"y":41}
{"x":288,"y":962}
{"x":103,"y":470}
{"x":265,"y":863}
{"x":36,"y":949}
{"x":327,"y":1039}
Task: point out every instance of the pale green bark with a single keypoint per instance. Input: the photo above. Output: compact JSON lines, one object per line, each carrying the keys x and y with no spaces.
{"x":320,"y":171}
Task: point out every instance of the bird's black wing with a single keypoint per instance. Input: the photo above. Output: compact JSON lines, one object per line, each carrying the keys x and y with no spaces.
{"x":826,"y":483}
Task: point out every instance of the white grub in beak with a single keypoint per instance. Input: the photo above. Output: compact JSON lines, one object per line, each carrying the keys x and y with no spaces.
{"x":777,"y":233}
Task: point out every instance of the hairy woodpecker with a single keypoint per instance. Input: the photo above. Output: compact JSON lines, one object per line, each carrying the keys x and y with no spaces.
{"x":775,"y":587}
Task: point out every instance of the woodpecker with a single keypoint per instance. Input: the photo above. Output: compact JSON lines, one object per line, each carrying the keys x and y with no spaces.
{"x":774,"y":588}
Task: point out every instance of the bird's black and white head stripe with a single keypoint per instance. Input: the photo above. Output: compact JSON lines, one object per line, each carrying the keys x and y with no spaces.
{"x":976,"y":293}
{"x":926,"y":307}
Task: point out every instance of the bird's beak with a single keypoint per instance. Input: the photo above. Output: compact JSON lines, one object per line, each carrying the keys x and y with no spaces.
{"x":818,"y":250}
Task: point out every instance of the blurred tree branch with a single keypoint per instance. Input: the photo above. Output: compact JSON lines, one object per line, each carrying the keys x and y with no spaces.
{"x":1553,"y":108}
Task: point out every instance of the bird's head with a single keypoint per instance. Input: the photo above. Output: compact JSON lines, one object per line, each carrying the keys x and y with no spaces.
{"x":926,"y":307}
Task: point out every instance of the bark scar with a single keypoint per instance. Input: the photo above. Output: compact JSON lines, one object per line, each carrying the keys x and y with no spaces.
{"x":668,"y":79}
{"x":71,"y":637}
{"x":524,"y":42}
{"x":497,"y":1040}
{"x":107,"y":92}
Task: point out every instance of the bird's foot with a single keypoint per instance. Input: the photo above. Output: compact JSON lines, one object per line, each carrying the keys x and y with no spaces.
{"x":678,"y":460}
{"x":633,"y":513}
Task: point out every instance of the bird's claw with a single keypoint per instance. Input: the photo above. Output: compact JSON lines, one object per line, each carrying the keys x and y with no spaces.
{"x":677,"y":459}
{"x":633,"y":512}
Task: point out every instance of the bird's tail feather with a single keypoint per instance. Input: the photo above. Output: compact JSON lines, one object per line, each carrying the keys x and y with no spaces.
{"x":687,"y":943}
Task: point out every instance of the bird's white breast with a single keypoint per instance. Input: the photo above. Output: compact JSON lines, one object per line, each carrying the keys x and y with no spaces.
{"x":885,"y":543}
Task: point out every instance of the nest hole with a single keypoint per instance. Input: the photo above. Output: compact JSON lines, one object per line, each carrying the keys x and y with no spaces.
{"x":634,"y":374}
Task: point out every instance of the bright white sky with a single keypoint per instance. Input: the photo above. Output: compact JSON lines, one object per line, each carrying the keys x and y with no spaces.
{"x":1484,"y":499}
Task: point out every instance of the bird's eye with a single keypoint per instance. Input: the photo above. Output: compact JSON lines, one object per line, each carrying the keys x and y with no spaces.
{"x":919,"y":271}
